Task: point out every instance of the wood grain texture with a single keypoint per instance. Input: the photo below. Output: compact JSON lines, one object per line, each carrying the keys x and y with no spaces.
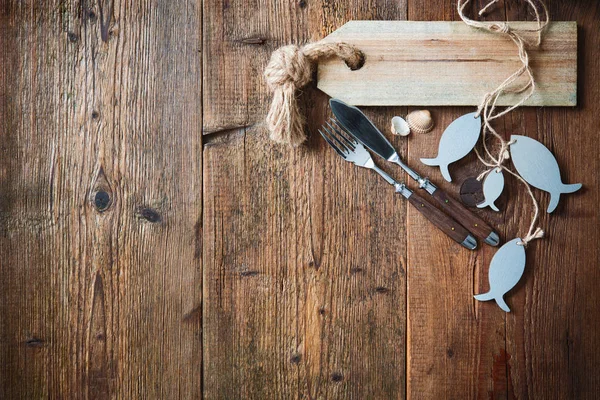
{"x":551,"y":340}
{"x":137,"y":263}
{"x":100,"y":197}
{"x":454,"y":349}
{"x":460,"y":348}
{"x":447,"y":63}
{"x":303,"y":274}
{"x":301,"y":296}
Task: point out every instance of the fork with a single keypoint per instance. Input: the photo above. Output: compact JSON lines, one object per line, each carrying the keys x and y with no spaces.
{"x":352,"y":151}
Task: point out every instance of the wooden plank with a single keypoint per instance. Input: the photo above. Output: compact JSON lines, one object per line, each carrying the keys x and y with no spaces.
{"x":100,"y":225}
{"x":545,"y":348}
{"x":553,"y":340}
{"x":304,"y":275}
{"x":100,"y":200}
{"x":447,"y":63}
{"x":456,"y":348}
{"x":450,"y":342}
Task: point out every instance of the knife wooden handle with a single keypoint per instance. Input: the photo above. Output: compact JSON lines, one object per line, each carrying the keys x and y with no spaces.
{"x":467,"y":218}
{"x":445,"y":223}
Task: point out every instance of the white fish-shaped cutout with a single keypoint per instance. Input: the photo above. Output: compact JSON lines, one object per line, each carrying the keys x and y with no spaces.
{"x":506,"y":269}
{"x":537,"y":165}
{"x":492,"y":188}
{"x":457,"y":141}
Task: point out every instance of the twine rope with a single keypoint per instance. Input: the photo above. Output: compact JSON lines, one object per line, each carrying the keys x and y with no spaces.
{"x":487,"y":109}
{"x":290,"y":69}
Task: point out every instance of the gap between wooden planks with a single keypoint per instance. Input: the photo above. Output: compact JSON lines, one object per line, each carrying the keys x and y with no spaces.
{"x":447,"y":63}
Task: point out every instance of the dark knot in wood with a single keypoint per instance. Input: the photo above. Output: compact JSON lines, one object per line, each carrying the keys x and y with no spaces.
{"x":296,"y":358}
{"x":337,"y":377}
{"x":92,"y":16}
{"x":102,"y":194}
{"x":102,"y":200}
{"x":149,"y":215}
{"x":34,"y":342}
{"x":254,"y":40}
{"x":73,"y":37}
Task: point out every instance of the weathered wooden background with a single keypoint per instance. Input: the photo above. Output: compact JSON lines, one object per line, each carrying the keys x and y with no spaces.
{"x":154,"y":243}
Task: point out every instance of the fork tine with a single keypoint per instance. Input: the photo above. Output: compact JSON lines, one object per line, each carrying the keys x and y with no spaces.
{"x":333,"y":145}
{"x":340,"y":134}
{"x":343,"y":146}
{"x":349,"y":138}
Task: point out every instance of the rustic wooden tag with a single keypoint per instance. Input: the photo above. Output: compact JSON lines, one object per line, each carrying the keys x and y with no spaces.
{"x":447,"y":63}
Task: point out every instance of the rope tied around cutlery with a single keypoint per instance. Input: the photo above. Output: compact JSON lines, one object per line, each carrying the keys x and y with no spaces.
{"x":487,"y":108}
{"x":290,"y":69}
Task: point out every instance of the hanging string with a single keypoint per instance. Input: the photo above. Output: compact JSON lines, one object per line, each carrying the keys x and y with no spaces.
{"x":487,"y":109}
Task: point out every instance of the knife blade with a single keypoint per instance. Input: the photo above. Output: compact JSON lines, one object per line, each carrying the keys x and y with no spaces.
{"x":361,"y":127}
{"x":355,"y":122}
{"x":358,"y":125}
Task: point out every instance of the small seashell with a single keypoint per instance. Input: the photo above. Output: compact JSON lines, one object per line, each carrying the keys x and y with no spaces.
{"x":420,"y":121}
{"x":400,"y":126}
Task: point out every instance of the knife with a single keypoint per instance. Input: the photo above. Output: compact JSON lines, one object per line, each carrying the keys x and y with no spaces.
{"x":358,"y":125}
{"x":352,"y":151}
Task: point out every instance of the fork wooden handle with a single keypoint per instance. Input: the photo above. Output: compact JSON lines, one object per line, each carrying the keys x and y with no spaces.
{"x":445,"y":223}
{"x":466,"y":218}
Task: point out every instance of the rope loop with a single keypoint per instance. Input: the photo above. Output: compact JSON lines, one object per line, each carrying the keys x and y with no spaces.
{"x":288,"y":67}
{"x":538,"y":234}
{"x":289,"y":70}
{"x":500,"y":27}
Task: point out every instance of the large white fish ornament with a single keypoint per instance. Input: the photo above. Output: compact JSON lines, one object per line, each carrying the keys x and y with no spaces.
{"x":506,"y":269}
{"x":457,"y":141}
{"x":537,"y":165}
{"x":492,"y":188}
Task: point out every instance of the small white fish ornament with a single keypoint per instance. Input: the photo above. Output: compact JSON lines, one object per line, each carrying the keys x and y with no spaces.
{"x":457,"y":141}
{"x":506,"y":269}
{"x":537,"y":165}
{"x":492,"y":188}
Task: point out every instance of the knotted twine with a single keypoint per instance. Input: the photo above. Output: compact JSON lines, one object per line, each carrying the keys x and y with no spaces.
{"x":290,"y":69}
{"x":487,"y":108}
